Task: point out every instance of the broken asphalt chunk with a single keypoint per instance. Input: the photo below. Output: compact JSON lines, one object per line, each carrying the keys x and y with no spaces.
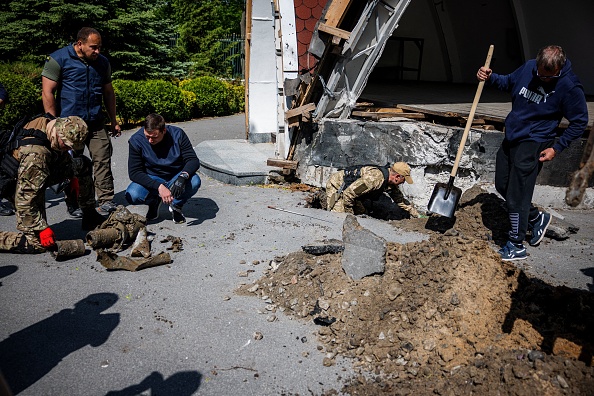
{"x":317,"y":248}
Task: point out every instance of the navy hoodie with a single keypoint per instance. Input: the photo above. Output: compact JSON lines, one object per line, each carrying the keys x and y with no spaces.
{"x":166,"y":159}
{"x":538,"y":106}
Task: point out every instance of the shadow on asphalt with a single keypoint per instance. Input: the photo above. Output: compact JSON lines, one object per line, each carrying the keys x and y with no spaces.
{"x":589,"y":272}
{"x":7,"y":270}
{"x":31,"y":353}
{"x":184,"y":383}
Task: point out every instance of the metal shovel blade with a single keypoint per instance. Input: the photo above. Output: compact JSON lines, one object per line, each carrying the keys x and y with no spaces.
{"x":444,"y":199}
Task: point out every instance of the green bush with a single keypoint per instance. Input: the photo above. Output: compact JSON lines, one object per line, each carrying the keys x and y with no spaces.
{"x":200,"y":97}
{"x":136,"y":99}
{"x":189,"y":100}
{"x":212,"y":96}
{"x":166,"y":99}
{"x":131,"y":104}
{"x":24,"y":99}
{"x":236,"y":96}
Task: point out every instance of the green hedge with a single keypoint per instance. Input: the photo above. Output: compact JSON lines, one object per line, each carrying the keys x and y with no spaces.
{"x":24,"y":99}
{"x":199,"y":97}
{"x":212,"y":96}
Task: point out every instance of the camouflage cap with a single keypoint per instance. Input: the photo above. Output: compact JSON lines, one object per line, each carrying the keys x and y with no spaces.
{"x":73,"y":131}
{"x":403,"y":169}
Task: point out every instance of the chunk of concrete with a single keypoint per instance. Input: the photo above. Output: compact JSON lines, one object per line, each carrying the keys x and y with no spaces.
{"x":364,"y":252}
{"x":560,"y":229}
{"x":324,"y":247}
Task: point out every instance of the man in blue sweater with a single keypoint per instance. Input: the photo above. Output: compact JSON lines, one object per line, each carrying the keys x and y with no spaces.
{"x":162,"y":165}
{"x":544,"y":90}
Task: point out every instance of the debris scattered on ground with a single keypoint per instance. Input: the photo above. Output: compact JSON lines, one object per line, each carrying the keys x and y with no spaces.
{"x":118,"y":231}
{"x":324,"y":247}
{"x":112,"y":261}
{"x":68,"y":249}
{"x":141,"y":246}
{"x":446,"y":316}
{"x":176,"y":243}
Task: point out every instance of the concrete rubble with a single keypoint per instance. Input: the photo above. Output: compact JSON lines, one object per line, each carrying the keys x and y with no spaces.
{"x":364,"y":252}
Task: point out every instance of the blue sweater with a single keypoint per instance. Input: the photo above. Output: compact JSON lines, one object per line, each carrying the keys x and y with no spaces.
{"x":539,"y":106}
{"x":166,"y":159}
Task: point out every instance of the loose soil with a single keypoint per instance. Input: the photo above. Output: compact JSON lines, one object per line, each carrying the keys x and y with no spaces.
{"x":447,"y":316}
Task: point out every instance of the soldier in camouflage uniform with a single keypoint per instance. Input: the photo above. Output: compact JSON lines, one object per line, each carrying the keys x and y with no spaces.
{"x":346,"y":188}
{"x":40,"y":167}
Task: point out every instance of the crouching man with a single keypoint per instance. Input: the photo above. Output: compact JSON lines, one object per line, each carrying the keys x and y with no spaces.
{"x":346,"y":188}
{"x":37,"y":158}
{"x":162,"y":165}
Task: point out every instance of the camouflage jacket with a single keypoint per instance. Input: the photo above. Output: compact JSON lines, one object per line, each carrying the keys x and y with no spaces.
{"x":35,"y":164}
{"x":371,"y":181}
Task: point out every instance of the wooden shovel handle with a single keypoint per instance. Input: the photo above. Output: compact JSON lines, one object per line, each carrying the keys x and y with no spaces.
{"x":477,"y":96}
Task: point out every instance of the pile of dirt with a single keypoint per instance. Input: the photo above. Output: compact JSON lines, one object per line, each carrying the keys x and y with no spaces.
{"x":446,"y":317}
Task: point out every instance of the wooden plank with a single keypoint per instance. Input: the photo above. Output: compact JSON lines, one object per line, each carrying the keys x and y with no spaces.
{"x":301,"y":110}
{"x":336,"y":12}
{"x":445,"y":111}
{"x":334,"y":31}
{"x":280,"y":163}
{"x":376,"y":115}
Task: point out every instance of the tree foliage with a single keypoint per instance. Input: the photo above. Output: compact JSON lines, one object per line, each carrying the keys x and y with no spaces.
{"x":202,"y":23}
{"x":139,"y":36}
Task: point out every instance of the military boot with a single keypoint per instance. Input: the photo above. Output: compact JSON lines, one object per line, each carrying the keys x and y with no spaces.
{"x":91,"y":219}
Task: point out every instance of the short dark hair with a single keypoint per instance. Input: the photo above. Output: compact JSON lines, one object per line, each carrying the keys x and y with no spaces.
{"x":551,"y":58}
{"x":84,"y":33}
{"x":154,"y":122}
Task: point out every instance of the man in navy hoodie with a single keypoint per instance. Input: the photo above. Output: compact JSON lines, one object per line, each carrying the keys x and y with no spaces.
{"x":162,"y":165}
{"x":544,"y":90}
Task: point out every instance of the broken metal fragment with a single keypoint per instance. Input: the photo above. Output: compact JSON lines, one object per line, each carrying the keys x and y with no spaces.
{"x":112,"y":261}
{"x":176,"y":243}
{"x":102,"y":237}
{"x":119,"y":230}
{"x":69,"y":248}
{"x":324,"y":320}
{"x":141,"y":246}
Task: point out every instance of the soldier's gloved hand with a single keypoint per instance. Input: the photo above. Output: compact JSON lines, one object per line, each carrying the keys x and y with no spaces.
{"x":179,"y":185}
{"x":47,"y":238}
{"x":410,"y":209}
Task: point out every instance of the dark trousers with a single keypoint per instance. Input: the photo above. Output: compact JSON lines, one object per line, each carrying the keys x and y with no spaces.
{"x":516,"y":169}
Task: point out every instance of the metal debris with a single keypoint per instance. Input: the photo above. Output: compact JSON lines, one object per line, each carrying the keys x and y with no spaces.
{"x":112,"y":261}
{"x":68,"y":248}
{"x":118,"y":231}
{"x":141,"y":246}
{"x":176,"y":243}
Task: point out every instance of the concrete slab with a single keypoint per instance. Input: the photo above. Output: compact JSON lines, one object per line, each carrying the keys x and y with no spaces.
{"x":236,"y":161}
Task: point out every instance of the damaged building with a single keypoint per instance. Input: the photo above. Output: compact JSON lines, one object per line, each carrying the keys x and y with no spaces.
{"x":333,"y":83}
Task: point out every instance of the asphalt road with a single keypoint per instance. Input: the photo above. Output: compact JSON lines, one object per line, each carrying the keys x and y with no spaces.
{"x":179,"y":329}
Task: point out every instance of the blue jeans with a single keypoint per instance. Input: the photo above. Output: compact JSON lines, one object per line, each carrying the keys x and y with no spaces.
{"x":139,"y":195}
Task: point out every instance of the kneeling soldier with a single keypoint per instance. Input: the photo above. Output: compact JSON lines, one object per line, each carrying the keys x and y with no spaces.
{"x":346,"y":188}
{"x":39,"y":157}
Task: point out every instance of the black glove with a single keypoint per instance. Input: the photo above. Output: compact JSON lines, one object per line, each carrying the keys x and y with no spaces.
{"x":179,"y":185}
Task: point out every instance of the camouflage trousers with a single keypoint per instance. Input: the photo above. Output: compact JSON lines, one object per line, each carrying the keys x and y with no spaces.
{"x":30,"y":208}
{"x":335,"y":201}
{"x":20,"y":242}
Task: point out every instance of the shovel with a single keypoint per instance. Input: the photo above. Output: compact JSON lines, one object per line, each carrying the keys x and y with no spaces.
{"x":445,"y":197}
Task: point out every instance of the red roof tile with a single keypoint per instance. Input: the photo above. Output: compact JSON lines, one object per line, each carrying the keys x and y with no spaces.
{"x":303,"y":12}
{"x":311,"y":3}
{"x":307,"y":14}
